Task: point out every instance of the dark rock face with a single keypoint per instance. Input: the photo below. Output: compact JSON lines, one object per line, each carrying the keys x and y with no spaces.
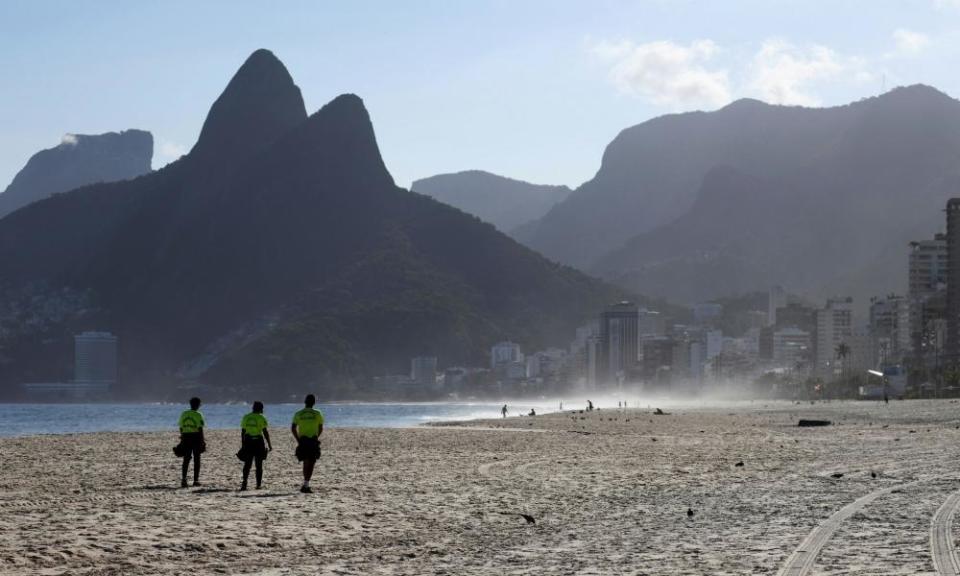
{"x":79,"y":160}
{"x":504,"y":202}
{"x":824,"y":201}
{"x":288,"y":260}
{"x":260,"y":104}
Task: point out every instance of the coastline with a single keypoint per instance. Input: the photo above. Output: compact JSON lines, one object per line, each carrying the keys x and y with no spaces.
{"x":608,"y":492}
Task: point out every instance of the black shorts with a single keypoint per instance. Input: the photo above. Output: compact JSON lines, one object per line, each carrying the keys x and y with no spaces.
{"x":191,"y":443}
{"x":252,"y":448}
{"x":308,"y":449}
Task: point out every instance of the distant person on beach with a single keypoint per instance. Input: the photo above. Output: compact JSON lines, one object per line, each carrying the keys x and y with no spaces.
{"x":191,"y":441}
{"x":306,"y":428}
{"x":255,"y":443}
{"x":532,"y":412}
{"x":503,"y":411}
{"x":589,"y":406}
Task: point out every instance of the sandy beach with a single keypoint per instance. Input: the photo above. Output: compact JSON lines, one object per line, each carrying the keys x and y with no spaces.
{"x":606,"y":492}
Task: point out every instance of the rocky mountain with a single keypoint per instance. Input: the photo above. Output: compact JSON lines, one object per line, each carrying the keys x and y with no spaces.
{"x":277,"y":256}
{"x":80,"y":159}
{"x":504,"y":202}
{"x":698,"y":205}
{"x":831,"y":218}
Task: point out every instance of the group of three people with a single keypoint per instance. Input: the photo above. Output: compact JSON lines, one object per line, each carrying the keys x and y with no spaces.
{"x":307,"y":426}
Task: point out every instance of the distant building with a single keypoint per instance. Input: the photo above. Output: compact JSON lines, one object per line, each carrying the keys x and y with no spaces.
{"x":584,"y":354}
{"x":713,"y":343}
{"x":777,"y":299}
{"x":707,"y":312}
{"x":927,"y":296}
{"x":889,"y":329}
{"x":650,"y":323}
{"x":547,"y":364}
{"x":95,"y":358}
{"x":834,"y":327}
{"x":791,"y":347}
{"x":953,"y":281}
{"x":619,"y":341}
{"x":504,"y":353}
{"x":423,"y":370}
{"x":756,"y":319}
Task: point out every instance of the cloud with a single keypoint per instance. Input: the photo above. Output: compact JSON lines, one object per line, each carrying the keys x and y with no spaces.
{"x":782,"y":73}
{"x":69,"y":139}
{"x":667,"y":73}
{"x":171,"y":150}
{"x":910,"y":43}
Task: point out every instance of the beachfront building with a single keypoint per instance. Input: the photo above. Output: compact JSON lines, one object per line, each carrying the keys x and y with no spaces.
{"x":834,"y":327}
{"x":619,"y":342}
{"x":952,"y":352}
{"x":423,"y":371}
{"x":889,"y":329}
{"x":95,"y":359}
{"x":650,"y":323}
{"x":503,"y":353}
{"x":707,"y":312}
{"x":777,"y":298}
{"x":791,"y":347}
{"x":927,"y":295}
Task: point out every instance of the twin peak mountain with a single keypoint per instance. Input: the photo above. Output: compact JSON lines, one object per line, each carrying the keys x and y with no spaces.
{"x":277,"y":254}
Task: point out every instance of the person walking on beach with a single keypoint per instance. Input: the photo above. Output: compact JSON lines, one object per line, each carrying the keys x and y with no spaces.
{"x":253,"y":433}
{"x":503,"y":411}
{"x":191,"y":441}
{"x":307,"y":427}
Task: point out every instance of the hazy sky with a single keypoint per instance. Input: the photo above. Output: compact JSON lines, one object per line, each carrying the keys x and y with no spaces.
{"x":529,"y":89}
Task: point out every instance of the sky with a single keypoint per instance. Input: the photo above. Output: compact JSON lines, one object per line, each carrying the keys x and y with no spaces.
{"x":529,"y":89}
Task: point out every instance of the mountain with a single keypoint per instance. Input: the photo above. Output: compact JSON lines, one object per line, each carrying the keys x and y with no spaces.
{"x":277,"y":256}
{"x":504,"y":202}
{"x":80,"y":159}
{"x":834,"y":218}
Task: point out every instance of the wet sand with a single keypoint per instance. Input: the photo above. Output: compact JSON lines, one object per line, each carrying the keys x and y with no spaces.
{"x":606,"y":492}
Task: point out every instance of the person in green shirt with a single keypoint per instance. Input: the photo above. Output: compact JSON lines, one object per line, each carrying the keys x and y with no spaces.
{"x":306,"y":428}
{"x":191,"y":441}
{"x":253,"y":433}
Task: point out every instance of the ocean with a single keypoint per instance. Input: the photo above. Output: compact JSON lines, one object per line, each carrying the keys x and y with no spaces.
{"x":31,"y":419}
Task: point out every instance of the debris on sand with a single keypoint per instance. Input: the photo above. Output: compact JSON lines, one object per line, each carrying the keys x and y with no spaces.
{"x":659,"y":412}
{"x":806,"y":423}
{"x":690,"y":512}
{"x":739,"y":464}
{"x":837,"y":475}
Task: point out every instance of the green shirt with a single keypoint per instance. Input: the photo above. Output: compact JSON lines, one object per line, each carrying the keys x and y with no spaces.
{"x":308,"y":422}
{"x":190,"y":421}
{"x":253,"y":424}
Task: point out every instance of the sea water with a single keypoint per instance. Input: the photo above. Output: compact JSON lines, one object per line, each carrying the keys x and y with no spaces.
{"x":30,"y":419}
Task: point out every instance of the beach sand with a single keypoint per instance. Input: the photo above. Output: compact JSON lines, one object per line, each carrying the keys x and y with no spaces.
{"x":608,"y":492}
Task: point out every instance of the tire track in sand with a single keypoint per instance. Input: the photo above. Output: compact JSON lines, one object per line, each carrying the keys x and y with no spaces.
{"x":802,"y":559}
{"x":941,"y":537}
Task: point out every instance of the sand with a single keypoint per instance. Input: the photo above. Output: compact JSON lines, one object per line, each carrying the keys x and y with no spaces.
{"x":608,"y":492}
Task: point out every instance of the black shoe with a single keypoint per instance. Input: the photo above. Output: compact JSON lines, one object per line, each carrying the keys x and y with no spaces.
{"x":306,"y":490}
{"x":259,"y":486}
{"x":243,"y":487}
{"x":196,"y":483}
{"x":183,"y":483}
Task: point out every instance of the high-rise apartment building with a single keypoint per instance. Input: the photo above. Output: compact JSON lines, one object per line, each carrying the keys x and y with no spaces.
{"x":95,"y":358}
{"x":834,"y":327}
{"x":952,"y":352}
{"x":619,"y":341}
{"x":777,"y":299}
